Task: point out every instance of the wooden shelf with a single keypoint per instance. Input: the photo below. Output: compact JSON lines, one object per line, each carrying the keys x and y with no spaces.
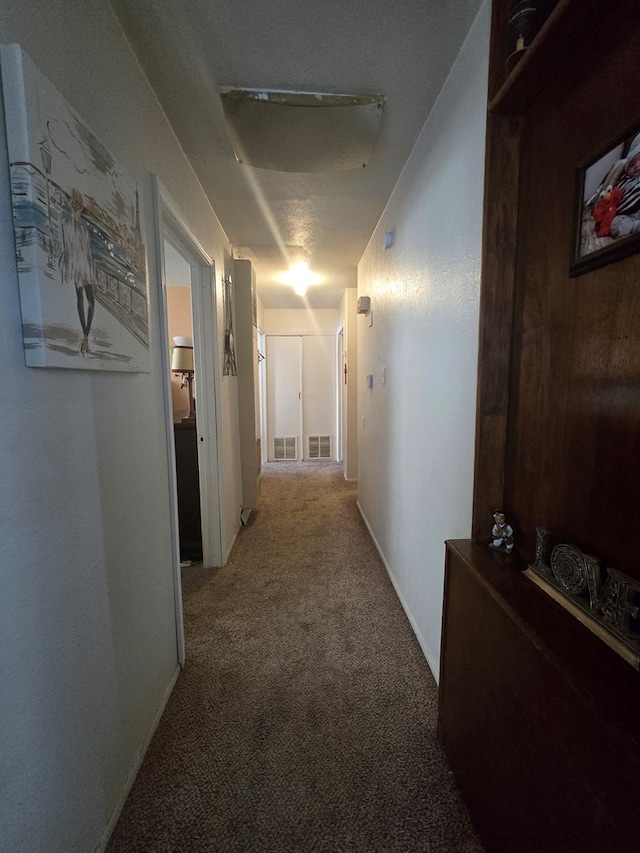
{"x":594,"y":670}
{"x":565,"y":27}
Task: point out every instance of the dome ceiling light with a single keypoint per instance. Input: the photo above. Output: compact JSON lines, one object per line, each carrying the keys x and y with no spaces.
{"x":301,"y":131}
{"x":300,"y":277}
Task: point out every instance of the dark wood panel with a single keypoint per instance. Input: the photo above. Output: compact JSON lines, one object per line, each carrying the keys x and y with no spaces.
{"x":573,"y":458}
{"x":537,"y":717}
{"x":496,"y":316}
{"x":568,"y":24}
{"x":498,"y":54}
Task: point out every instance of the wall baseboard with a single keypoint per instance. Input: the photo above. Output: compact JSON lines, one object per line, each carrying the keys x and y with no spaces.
{"x":133,"y":772}
{"x":433,"y":664}
{"x":230,"y":548}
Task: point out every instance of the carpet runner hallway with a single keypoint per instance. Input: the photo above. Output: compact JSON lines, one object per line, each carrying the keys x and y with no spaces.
{"x":305,"y":717}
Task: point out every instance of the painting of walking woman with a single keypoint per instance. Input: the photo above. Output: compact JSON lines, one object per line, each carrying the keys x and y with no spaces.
{"x":76,"y":264}
{"x":79,"y":248}
{"x":608,"y":221}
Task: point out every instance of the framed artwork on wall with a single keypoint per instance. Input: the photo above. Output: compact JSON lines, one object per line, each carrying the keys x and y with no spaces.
{"x":608,"y":204}
{"x":79,"y":249}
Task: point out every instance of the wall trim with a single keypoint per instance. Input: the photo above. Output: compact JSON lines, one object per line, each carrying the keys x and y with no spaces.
{"x":433,"y":665}
{"x":171,"y":225}
{"x":233,"y":542}
{"x":133,"y":772}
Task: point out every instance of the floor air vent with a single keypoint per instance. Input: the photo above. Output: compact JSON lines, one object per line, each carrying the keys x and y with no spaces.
{"x":319,"y":447}
{"x":285,"y":447}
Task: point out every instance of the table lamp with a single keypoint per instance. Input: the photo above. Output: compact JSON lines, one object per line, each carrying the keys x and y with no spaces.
{"x":182,"y":362}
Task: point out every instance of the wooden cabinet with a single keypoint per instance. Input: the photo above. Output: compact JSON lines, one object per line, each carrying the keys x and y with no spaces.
{"x":539,"y":720}
{"x":188,"y":485}
{"x":538,"y":717}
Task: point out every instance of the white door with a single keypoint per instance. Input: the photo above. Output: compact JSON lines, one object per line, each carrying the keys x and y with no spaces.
{"x":301,"y":397}
{"x":319,"y":396}
{"x":284,"y":397}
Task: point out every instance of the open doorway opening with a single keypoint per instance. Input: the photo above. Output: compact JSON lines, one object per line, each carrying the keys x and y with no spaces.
{"x":183,"y":401}
{"x":301,"y":378}
{"x":174,"y":237}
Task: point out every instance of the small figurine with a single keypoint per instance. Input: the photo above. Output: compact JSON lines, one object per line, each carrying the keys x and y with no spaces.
{"x":502,"y":533}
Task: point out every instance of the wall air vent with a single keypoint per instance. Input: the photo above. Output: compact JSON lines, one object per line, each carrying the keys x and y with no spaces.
{"x":319,"y":447}
{"x":301,"y":131}
{"x":285,"y":448}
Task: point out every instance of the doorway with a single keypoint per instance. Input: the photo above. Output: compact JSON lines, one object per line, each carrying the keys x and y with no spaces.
{"x":173,"y":237}
{"x":183,"y":396}
{"x":301,"y":397}
{"x":341,"y":388}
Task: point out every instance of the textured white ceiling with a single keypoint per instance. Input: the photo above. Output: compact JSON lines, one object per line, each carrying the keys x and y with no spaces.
{"x":402,"y":50}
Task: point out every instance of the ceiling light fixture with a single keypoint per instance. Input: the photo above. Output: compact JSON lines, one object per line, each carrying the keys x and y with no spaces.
{"x":301,"y":131}
{"x":300,"y":277}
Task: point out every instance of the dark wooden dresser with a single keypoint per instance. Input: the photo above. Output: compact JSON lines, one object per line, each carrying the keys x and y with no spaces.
{"x":188,"y":481}
{"x":539,"y":719}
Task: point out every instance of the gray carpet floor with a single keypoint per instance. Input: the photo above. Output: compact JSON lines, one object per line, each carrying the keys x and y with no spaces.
{"x":305,"y":717}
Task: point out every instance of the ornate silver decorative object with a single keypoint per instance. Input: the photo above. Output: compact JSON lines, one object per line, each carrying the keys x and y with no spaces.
{"x":542,"y":544}
{"x":569,"y":569}
{"x":609,"y":606}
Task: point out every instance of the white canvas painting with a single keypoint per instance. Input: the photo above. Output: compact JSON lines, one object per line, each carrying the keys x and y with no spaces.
{"x":79,"y":248}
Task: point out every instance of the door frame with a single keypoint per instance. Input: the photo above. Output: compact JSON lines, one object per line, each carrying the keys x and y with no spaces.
{"x":262,"y":384}
{"x":169,"y":222}
{"x":340,"y":394}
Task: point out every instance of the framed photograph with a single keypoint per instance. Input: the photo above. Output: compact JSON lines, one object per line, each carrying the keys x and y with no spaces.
{"x":80,"y":255}
{"x":608,"y":205}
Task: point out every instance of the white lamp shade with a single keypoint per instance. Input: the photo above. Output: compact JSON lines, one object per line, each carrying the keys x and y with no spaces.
{"x":182,"y":359}
{"x":183,"y":341}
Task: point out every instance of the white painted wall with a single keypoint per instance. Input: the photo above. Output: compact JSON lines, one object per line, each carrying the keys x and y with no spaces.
{"x":416,"y":451}
{"x":349,"y":322}
{"x":229,"y":459}
{"x":87,"y":624}
{"x":300,"y":321}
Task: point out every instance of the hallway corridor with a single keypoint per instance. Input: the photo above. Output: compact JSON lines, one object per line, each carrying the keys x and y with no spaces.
{"x":304,"y":719}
